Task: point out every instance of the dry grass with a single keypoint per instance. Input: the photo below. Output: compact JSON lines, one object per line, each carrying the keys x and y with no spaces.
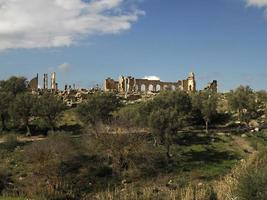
{"x":223,"y":189}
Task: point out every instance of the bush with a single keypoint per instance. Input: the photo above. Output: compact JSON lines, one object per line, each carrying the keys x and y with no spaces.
{"x":45,"y":159}
{"x":253,"y":183}
{"x":4,"y":179}
{"x":11,"y":142}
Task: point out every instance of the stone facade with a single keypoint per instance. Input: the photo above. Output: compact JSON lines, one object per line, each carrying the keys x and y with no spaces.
{"x":213,"y":86}
{"x":33,"y":84}
{"x":130,"y":85}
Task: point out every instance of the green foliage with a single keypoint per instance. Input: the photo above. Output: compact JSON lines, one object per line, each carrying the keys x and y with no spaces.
{"x":170,"y":111}
{"x":243,"y":100}
{"x":22,"y":109}
{"x":205,"y":103}
{"x":129,"y":115}
{"x":5,"y":101}
{"x":14,"y":85}
{"x":253,"y":184}
{"x":49,"y":107}
{"x":98,"y":108}
{"x":4,"y":179}
{"x":262,"y":96}
{"x":11,"y":142}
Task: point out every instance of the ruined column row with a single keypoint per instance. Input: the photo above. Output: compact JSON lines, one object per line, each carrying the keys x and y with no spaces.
{"x":54,"y":84}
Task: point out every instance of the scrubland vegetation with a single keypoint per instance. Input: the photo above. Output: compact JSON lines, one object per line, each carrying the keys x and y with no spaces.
{"x":201,"y":146}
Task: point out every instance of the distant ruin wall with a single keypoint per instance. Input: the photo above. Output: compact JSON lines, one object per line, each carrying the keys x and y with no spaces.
{"x":130,"y":84}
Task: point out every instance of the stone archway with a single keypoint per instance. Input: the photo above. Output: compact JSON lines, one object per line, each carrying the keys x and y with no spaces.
{"x":137,"y":89}
{"x":190,"y":87}
{"x":150,"y":87}
{"x":158,"y":88}
{"x":143,"y":88}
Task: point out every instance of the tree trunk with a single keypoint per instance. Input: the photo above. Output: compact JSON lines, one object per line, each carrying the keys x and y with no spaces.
{"x":168,"y":147}
{"x":207,"y":126}
{"x":3,"y":123}
{"x":155,"y":142}
{"x":28,"y":129}
{"x":52,"y":126}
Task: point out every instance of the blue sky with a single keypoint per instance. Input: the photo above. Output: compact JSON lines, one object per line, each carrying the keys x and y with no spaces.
{"x":217,"y":39}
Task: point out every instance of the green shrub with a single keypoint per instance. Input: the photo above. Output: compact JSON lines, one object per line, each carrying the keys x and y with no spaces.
{"x":253,"y":186}
{"x":253,"y":183}
{"x":11,"y":142}
{"x":4,"y":179}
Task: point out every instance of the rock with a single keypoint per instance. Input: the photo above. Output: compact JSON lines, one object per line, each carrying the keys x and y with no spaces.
{"x":257,"y":129}
{"x":200,"y":184}
{"x":253,"y":124}
{"x":247,"y":151}
{"x":221,"y":134}
{"x":243,"y":135}
{"x":171,"y":185}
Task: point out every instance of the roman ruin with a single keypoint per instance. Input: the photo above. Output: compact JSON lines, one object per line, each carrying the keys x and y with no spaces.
{"x":33,"y":84}
{"x":212,"y":86}
{"x":130,"y":84}
{"x":128,"y":87}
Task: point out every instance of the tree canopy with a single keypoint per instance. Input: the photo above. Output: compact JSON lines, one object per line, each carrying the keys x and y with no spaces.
{"x":98,"y":107}
{"x":14,"y":85}
{"x":22,"y":109}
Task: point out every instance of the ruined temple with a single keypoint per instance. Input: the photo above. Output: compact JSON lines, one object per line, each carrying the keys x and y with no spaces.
{"x":212,"y":86}
{"x":33,"y":84}
{"x":129,"y":84}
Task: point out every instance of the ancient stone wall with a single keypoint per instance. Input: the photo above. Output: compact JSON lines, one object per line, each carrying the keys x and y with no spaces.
{"x":110,"y":85}
{"x":130,"y":84}
{"x":33,"y":84}
{"x":213,"y":86}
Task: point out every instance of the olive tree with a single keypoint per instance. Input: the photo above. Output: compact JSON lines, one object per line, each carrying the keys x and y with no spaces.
{"x":5,"y":101}
{"x":14,"y":85}
{"x":206,"y":103}
{"x":243,"y":101}
{"x":169,"y":114}
{"x":98,"y":108}
{"x":49,"y":107}
{"x":22,"y":109}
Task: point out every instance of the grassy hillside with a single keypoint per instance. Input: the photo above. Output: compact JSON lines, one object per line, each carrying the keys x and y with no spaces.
{"x":197,"y":161}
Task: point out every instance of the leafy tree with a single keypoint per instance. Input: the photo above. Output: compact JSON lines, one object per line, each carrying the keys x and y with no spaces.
{"x":243,"y":100}
{"x":14,"y":84}
{"x":23,"y":109}
{"x":5,"y":100}
{"x":262,"y":96}
{"x":206,"y":103}
{"x":49,"y":107}
{"x":98,"y":108}
{"x":169,"y":114}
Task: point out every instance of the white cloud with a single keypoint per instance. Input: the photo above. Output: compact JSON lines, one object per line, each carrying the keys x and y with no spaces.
{"x":56,"y":23}
{"x":152,"y":78}
{"x":258,"y":3}
{"x":64,"y":67}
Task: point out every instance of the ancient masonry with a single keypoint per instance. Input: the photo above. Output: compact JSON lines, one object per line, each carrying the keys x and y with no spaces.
{"x":213,"y":86}
{"x":130,"y":84}
{"x":33,"y":84}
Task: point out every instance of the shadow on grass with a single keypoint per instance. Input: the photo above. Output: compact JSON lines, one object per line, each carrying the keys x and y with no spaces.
{"x":208,"y":163}
{"x":209,"y":155}
{"x":195,"y":138}
{"x":75,"y":128}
